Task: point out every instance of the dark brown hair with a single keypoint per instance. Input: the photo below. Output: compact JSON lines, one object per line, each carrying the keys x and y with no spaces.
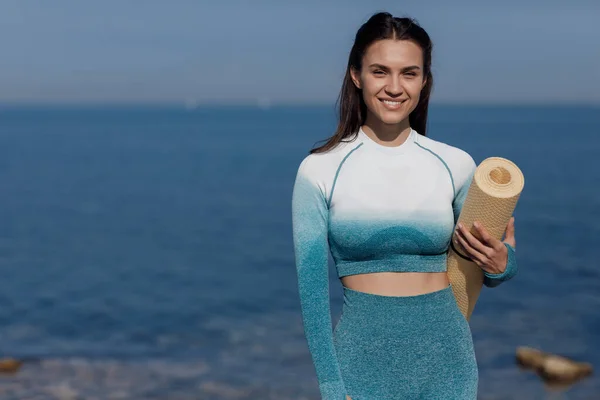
{"x":352,"y":108}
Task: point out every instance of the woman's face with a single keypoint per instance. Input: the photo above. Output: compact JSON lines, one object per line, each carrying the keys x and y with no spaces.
{"x":391,"y":79}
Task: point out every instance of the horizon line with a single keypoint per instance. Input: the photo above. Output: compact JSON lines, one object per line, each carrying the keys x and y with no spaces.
{"x":268,"y":105}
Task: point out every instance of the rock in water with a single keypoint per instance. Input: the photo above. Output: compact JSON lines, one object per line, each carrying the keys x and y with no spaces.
{"x":561,"y":369}
{"x":530,"y":358}
{"x":552,"y":368}
{"x":9,"y":365}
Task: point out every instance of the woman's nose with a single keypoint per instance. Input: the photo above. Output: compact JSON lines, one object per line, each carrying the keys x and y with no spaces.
{"x":394,"y":87}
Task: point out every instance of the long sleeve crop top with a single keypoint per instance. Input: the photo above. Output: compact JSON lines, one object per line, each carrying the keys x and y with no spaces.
{"x":373,"y":208}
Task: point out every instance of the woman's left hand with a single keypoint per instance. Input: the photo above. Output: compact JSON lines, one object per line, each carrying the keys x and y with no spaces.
{"x":488,"y":253}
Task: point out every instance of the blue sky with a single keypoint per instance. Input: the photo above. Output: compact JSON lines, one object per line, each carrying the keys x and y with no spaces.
{"x":234,"y":51}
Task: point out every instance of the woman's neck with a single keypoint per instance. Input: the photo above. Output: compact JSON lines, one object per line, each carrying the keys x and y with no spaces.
{"x":387,"y":135}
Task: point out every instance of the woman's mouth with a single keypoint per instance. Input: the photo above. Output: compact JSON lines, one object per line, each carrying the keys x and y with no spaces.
{"x":392,"y":104}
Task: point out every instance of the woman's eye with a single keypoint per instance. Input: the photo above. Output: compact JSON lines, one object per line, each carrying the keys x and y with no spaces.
{"x":410,"y":74}
{"x":378,"y":72}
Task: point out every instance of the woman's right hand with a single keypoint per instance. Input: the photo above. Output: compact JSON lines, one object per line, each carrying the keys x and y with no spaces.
{"x":348,"y":397}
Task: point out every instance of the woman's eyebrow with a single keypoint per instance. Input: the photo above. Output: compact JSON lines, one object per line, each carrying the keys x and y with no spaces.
{"x":380,"y":66}
{"x":405,"y":69}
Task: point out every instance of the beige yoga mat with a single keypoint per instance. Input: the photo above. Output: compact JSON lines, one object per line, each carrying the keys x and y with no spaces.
{"x":491,"y":200}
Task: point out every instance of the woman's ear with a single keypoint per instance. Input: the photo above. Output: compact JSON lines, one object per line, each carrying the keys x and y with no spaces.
{"x":355,"y":75}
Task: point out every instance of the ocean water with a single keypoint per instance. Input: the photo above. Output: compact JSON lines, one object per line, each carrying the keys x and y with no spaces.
{"x":146,"y":253}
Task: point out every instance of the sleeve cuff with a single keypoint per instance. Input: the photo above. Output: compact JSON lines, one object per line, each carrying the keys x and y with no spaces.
{"x":493,"y":280}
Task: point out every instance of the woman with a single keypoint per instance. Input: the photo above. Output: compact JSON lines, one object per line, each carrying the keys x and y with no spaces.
{"x":383,"y":199}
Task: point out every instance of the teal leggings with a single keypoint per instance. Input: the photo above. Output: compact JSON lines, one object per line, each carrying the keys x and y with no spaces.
{"x":405,"y":347}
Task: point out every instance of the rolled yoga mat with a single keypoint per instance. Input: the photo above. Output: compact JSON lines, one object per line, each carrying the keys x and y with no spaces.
{"x":491,"y":200}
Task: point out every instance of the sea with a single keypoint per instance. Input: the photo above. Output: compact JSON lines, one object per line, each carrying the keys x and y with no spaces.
{"x":146,"y":251}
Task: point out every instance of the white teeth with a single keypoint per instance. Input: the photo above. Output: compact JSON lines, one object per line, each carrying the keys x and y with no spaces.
{"x":392,"y":103}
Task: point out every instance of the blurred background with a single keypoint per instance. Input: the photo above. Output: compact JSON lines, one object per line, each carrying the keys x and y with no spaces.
{"x":147,"y":157}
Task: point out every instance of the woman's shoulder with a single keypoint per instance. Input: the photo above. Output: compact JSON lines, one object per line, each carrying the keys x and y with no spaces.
{"x":324,"y":164}
{"x":455,"y":157}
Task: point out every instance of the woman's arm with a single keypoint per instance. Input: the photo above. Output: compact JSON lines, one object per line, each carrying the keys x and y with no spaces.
{"x":310,"y":222}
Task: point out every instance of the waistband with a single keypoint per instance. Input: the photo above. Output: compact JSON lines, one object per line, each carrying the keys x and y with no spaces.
{"x":438,"y":298}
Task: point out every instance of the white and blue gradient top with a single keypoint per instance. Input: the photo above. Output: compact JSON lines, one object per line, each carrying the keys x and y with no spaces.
{"x":374,"y":208}
{"x":383,"y":208}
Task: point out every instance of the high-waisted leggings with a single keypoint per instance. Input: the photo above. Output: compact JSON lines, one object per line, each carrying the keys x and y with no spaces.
{"x":405,"y":347}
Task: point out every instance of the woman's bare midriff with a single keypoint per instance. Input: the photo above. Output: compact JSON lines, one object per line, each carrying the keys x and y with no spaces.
{"x":397,"y":283}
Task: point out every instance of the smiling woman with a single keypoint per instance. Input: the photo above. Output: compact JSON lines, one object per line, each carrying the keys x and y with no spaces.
{"x":391,"y":79}
{"x":384,"y":199}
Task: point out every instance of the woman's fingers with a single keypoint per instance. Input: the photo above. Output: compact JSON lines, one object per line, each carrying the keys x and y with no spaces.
{"x":474,"y":242}
{"x":486,"y":238}
{"x":473,"y":253}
